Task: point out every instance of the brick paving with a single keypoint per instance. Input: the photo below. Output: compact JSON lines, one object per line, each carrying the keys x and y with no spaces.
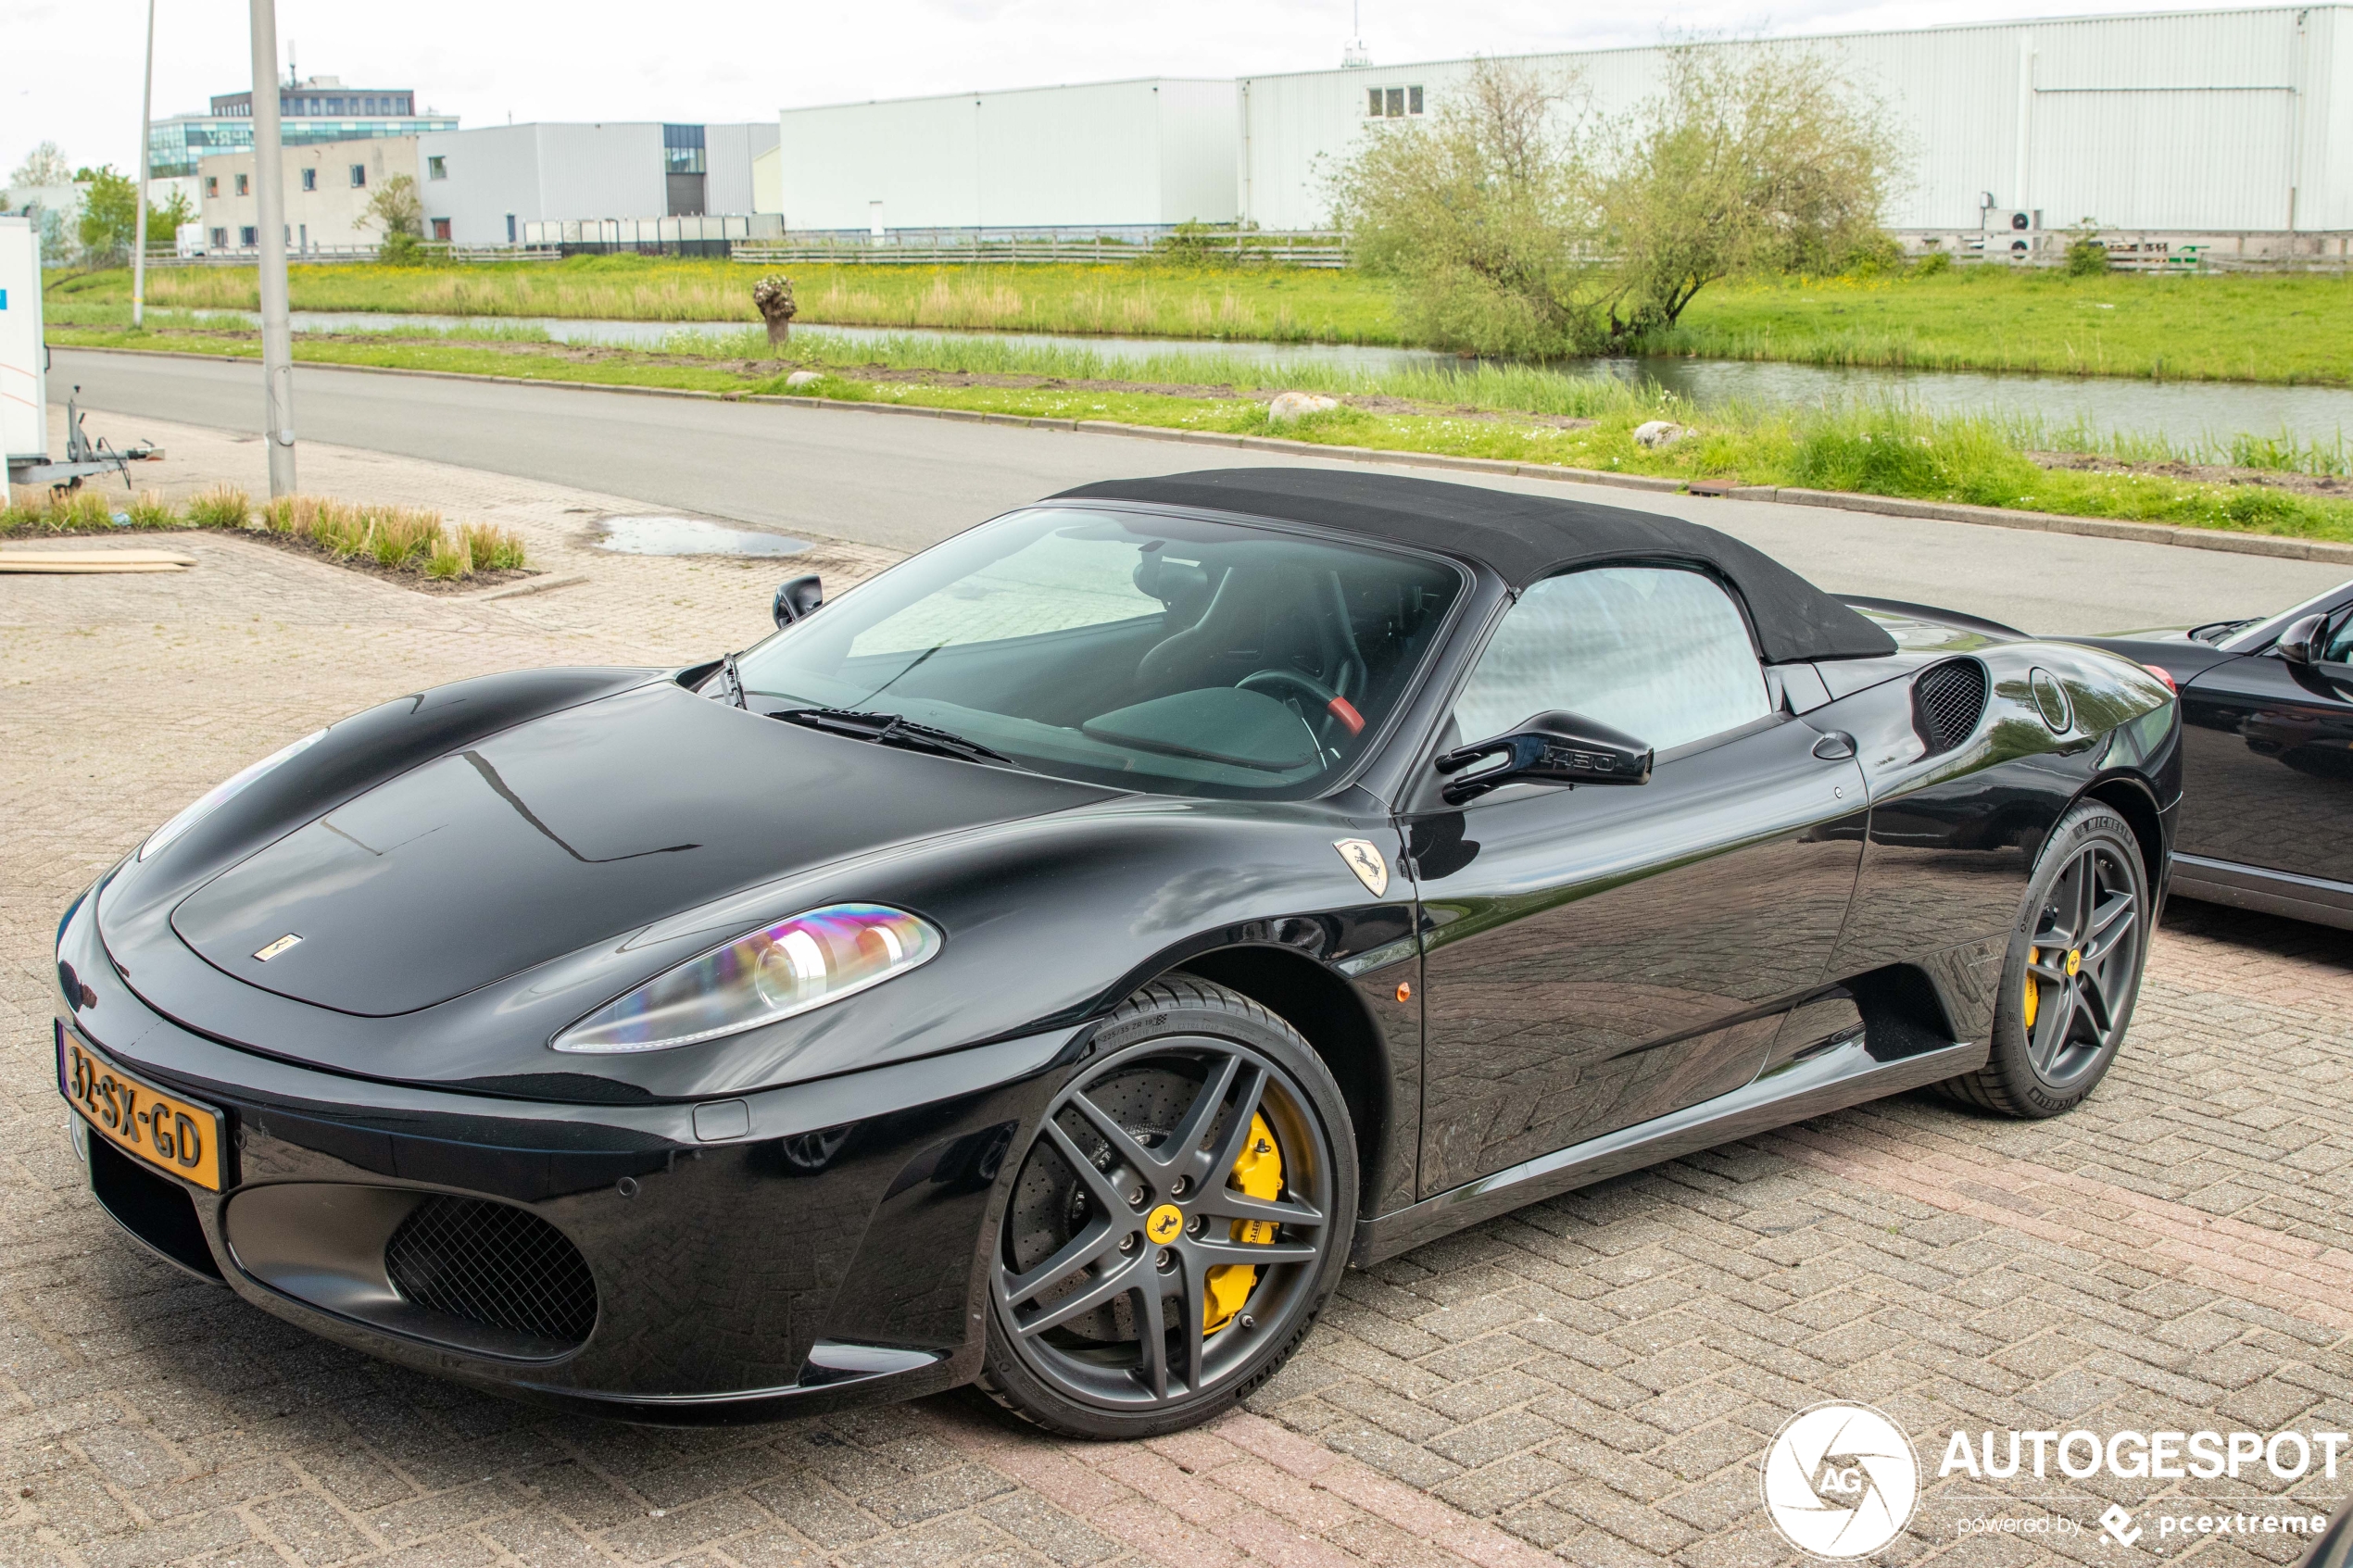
{"x":1592,"y":1378}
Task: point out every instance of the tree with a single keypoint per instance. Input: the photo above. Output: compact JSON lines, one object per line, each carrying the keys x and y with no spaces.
{"x":1484,"y":212}
{"x":109,"y":214}
{"x":1746,"y":161}
{"x":42,"y":166}
{"x":1521,"y":223}
{"x":163,"y":222}
{"x":398,"y":210}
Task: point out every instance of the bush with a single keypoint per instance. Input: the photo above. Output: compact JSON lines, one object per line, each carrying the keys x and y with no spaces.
{"x":1934,"y":264}
{"x":2086,"y":254}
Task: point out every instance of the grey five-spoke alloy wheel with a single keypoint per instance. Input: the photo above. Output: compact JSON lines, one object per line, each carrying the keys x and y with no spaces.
{"x":1178,"y":1221}
{"x":2073,"y":973}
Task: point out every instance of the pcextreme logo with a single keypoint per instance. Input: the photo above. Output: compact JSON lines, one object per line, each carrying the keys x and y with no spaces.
{"x":1841,"y":1481}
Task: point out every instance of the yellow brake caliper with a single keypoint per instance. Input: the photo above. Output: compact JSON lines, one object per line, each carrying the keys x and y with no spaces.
{"x":2032,"y":1001}
{"x":1259,"y":1173}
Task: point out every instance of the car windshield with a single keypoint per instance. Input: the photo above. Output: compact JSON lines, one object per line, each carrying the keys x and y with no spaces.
{"x":1169,"y":654}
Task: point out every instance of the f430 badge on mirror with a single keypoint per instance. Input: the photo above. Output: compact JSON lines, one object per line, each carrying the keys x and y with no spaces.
{"x":1363,"y":857}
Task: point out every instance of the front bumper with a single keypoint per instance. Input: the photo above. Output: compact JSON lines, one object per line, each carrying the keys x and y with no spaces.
{"x":798,"y":1249}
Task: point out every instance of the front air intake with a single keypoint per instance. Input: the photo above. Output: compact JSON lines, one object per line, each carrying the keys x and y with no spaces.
{"x":490,"y":1264}
{"x":1948,"y":701}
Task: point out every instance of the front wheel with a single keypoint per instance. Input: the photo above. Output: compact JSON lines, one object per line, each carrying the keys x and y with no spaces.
{"x":1181,"y":1217}
{"x":2073,"y":973}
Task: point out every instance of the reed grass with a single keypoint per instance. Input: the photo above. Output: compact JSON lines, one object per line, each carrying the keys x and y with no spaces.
{"x":397,"y":538}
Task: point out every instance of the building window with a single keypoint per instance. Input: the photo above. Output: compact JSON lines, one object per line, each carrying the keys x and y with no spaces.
{"x":441,"y":229}
{"x":682,"y":149}
{"x":1392,"y":103}
{"x":309,"y":179}
{"x":212,"y":184}
{"x":244,"y":184}
{"x":436,"y":168}
{"x":510,"y":227}
{"x":248,"y":236}
{"x":220,"y":239}
{"x":358,"y":175}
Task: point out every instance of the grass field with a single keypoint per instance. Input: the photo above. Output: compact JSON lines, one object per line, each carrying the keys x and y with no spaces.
{"x":2286,"y":327}
{"x":1274,"y":304}
{"x":2225,"y":327}
{"x":1524,"y":414}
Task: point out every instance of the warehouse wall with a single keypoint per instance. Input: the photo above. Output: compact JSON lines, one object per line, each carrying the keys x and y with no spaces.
{"x":1152,"y":151}
{"x":2197,"y":119}
{"x":608,"y":170}
{"x":729,"y":153}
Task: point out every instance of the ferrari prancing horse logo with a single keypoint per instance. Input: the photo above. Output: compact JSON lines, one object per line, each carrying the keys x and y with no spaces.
{"x":1363,"y":857}
{"x":1163,"y":1223}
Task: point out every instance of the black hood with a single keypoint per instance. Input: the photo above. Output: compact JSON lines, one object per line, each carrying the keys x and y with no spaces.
{"x":567,"y":830}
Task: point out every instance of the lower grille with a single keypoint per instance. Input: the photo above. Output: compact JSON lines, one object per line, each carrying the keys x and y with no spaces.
{"x":492,"y":1264}
{"x":1948,"y":701}
{"x":156,"y":1210}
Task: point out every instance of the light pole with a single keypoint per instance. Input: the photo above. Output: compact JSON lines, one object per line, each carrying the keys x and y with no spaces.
{"x":139,"y":230}
{"x":277,"y":329}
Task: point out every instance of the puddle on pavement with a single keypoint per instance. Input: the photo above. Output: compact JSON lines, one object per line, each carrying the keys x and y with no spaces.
{"x":689,"y":536}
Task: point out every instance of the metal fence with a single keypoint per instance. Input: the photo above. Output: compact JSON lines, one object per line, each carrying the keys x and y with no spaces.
{"x":969,"y":248}
{"x":324,"y":256}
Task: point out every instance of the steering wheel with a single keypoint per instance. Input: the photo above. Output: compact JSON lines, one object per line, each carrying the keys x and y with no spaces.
{"x":1330,"y":707}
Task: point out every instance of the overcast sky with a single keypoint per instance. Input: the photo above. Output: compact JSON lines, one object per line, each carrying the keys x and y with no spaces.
{"x":74,"y":65}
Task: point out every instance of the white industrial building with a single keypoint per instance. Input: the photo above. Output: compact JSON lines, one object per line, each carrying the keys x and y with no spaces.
{"x":1152,"y":152}
{"x":481,"y":186}
{"x":2205,"y":122}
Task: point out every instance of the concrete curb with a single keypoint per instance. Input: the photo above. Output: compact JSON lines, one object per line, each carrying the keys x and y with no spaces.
{"x":1883,"y":505}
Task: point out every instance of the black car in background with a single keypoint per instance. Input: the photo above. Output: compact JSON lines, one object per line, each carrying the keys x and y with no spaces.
{"x":1049,"y":964}
{"x":2266,"y":757}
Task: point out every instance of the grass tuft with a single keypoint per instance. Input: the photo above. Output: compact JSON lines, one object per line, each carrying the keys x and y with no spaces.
{"x":223,"y":506}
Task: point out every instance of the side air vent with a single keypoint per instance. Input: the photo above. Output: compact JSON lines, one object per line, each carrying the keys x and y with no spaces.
{"x":1948,"y":701}
{"x":492,"y":1264}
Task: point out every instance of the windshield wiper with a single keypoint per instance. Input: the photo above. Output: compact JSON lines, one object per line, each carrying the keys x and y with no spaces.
{"x":890,"y":729}
{"x":735,"y":681}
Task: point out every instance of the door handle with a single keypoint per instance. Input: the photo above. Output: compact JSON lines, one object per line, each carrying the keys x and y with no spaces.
{"x":1837,"y":745}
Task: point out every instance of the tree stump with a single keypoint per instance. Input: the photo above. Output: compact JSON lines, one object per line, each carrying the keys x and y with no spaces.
{"x":772,"y":295}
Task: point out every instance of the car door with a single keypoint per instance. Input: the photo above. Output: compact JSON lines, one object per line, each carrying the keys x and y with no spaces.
{"x":2267,"y":754}
{"x":1598,"y":956}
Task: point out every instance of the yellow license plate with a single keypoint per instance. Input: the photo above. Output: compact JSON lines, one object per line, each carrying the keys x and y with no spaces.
{"x":169,"y":1133}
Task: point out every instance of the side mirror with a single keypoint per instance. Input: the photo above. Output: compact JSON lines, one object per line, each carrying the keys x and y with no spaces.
{"x":2295,"y":643}
{"x":798,"y":597}
{"x":1551,"y":749}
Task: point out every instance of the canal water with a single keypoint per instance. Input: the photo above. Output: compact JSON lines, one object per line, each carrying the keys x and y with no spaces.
{"x":2188,"y":413}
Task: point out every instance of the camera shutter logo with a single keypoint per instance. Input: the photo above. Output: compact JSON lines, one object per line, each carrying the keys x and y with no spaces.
{"x":1841,"y":1481}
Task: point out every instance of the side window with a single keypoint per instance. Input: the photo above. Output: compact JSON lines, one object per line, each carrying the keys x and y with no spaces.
{"x":1660,"y":654}
{"x":2336,"y":645}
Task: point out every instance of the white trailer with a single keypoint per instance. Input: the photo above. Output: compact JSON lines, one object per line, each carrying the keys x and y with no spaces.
{"x":24,"y":380}
{"x":24,"y":362}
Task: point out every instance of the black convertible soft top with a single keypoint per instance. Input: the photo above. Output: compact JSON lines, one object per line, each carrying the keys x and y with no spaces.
{"x":1523,"y":538}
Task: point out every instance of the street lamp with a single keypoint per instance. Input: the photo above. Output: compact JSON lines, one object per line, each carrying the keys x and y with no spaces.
{"x":277,"y":327}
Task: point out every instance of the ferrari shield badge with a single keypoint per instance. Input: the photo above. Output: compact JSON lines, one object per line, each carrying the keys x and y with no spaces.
{"x":1363,"y":857}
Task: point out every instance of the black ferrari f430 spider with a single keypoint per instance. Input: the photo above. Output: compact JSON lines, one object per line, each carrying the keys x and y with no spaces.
{"x":1051,"y":963}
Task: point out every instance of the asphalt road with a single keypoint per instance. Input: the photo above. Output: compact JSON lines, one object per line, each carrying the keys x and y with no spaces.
{"x":909,"y":483}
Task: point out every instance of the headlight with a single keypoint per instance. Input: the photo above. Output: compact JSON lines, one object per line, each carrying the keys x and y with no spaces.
{"x":774,"y":972}
{"x":221,"y":793}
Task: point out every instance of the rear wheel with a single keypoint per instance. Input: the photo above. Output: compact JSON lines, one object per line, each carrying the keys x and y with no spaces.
{"x":2073,"y":973}
{"x":1182,"y":1215}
